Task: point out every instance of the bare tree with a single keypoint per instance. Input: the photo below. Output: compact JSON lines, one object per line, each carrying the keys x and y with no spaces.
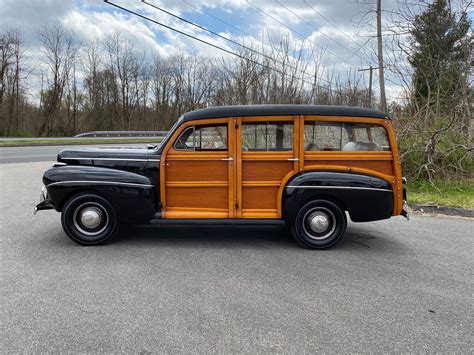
{"x":60,"y":49}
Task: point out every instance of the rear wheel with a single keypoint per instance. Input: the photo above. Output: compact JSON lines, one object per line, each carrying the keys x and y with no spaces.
{"x":89,"y":219}
{"x":319,"y":224}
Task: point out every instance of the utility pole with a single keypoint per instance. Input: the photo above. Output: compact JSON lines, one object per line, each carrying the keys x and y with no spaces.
{"x":370,"y":69}
{"x":383,"y":101}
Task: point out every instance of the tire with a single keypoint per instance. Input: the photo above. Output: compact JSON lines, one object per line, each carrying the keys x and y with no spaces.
{"x":89,"y":219}
{"x":319,"y":224}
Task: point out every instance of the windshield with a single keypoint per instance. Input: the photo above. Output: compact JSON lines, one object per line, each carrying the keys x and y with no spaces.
{"x":170,"y":132}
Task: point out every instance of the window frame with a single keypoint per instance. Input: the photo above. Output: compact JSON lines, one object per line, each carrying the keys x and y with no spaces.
{"x":313,"y":121}
{"x":198,"y":126}
{"x":266,"y":121}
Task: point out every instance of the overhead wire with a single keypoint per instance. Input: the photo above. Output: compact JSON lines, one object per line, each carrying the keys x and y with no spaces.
{"x":217,"y":47}
{"x":231,"y":40}
{"x":290,"y":29}
{"x":317,"y":29}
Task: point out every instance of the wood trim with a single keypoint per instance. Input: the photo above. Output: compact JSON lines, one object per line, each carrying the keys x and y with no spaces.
{"x":388,"y":178}
{"x":301,"y":142}
{"x":260,"y":183}
{"x":238,"y":166}
{"x":231,"y":167}
{"x":348,"y":156}
{"x":197,"y":184}
{"x":398,"y":184}
{"x":266,"y":156}
{"x":202,"y":213}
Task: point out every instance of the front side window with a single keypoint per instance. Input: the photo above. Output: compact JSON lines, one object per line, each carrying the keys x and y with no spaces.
{"x":198,"y":138}
{"x":344,"y":136}
{"x":267,"y":136}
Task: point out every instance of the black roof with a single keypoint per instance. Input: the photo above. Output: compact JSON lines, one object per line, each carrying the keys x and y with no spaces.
{"x":280,"y":110}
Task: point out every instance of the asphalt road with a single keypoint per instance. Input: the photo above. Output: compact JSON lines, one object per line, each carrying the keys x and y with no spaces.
{"x":390,"y":286}
{"x":45,"y":153}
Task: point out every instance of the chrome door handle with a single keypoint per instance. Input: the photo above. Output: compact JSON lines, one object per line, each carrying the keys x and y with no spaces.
{"x":292,"y":159}
{"x":228,"y":159}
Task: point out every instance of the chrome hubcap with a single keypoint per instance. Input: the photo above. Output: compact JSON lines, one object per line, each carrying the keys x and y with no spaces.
{"x":91,"y":217}
{"x":318,"y":222}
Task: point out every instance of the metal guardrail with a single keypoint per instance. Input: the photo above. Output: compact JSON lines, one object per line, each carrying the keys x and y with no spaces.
{"x":122,"y":134}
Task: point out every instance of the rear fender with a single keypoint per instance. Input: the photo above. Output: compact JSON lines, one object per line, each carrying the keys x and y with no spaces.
{"x":366,"y":198}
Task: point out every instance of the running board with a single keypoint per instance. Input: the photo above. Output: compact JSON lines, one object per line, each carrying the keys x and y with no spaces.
{"x":229,"y":221}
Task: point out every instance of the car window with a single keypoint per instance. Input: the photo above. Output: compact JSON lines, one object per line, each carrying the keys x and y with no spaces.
{"x":267,"y":136}
{"x":344,"y":136}
{"x":197,"y":138}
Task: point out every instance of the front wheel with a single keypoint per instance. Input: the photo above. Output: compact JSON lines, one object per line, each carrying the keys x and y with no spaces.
{"x":89,"y":219}
{"x":319,"y":224}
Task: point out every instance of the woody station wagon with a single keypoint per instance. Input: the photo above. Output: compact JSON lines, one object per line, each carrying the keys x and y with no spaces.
{"x":306,"y":165}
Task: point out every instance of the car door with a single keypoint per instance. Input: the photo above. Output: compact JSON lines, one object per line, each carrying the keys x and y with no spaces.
{"x":267,"y":152}
{"x":197,"y":171}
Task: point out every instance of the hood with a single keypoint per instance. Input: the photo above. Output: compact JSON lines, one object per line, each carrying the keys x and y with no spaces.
{"x":94,"y":153}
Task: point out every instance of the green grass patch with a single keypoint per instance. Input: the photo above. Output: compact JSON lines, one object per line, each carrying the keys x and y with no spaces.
{"x":450,"y":193}
{"x":77,"y":141}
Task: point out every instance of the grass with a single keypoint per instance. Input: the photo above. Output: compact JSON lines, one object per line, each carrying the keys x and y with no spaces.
{"x":76,"y":141}
{"x":451,"y":193}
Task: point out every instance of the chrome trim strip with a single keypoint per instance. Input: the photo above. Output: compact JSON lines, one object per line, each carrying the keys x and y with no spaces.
{"x":338,"y":187}
{"x":112,"y":159}
{"x":74,"y":182}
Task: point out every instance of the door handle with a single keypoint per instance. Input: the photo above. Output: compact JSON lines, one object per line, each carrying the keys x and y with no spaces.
{"x":292,"y":159}
{"x":228,"y":159}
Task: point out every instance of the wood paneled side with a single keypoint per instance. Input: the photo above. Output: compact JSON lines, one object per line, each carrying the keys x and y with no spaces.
{"x":265,"y":170}
{"x":384,"y":166}
{"x":189,"y":170}
{"x":198,"y":197}
{"x":259,"y":197}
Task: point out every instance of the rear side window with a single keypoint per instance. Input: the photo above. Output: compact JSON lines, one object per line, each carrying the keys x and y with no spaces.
{"x":344,"y":136}
{"x":197,"y":138}
{"x":267,"y":136}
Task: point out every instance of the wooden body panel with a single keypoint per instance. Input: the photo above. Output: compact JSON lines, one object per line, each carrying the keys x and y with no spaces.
{"x":198,"y":184}
{"x":202,"y":185}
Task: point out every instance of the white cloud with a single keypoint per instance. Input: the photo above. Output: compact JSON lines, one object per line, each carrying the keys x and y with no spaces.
{"x":94,"y":19}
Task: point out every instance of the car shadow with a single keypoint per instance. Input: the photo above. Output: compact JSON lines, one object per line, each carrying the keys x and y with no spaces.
{"x":244,"y":236}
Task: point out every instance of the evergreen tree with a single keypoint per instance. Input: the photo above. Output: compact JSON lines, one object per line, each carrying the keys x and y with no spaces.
{"x":441,"y":43}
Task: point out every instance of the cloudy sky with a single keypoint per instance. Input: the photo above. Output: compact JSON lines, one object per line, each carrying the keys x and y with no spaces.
{"x":332,"y":27}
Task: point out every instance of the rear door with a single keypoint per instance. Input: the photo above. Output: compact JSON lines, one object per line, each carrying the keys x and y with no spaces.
{"x":267,"y":155}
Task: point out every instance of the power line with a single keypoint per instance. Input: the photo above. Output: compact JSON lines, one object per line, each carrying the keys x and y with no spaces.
{"x":230,"y":40}
{"x":215,"y":46}
{"x":317,"y":29}
{"x":289,"y":28}
{"x":217,"y":18}
{"x":337,"y":28}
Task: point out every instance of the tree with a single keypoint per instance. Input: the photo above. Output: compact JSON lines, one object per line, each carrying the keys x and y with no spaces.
{"x":440,"y":54}
{"x":60,"y":50}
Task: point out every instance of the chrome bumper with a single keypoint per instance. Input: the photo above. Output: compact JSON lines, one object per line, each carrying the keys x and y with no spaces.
{"x":405,"y":210}
{"x":45,"y":203}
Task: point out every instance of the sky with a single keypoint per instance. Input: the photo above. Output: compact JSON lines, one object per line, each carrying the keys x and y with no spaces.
{"x":332,"y":27}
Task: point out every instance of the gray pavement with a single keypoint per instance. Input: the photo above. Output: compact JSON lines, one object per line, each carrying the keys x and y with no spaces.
{"x":390,"y":286}
{"x":46,"y":153}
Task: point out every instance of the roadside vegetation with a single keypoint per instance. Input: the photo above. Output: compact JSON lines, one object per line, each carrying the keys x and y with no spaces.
{"x":442,"y":193}
{"x":108,"y":84}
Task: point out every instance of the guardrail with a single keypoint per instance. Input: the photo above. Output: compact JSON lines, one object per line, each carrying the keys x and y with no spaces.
{"x":122,"y":134}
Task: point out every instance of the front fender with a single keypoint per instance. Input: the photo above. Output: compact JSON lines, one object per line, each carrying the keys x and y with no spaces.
{"x":132,"y":195}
